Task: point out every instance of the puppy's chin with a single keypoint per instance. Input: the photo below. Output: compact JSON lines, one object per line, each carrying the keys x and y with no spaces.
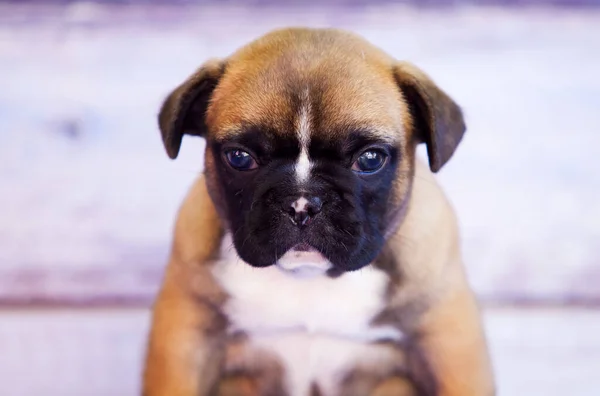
{"x":303,"y":261}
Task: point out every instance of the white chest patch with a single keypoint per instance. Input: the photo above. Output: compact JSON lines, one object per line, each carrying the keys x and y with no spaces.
{"x":319,"y":326}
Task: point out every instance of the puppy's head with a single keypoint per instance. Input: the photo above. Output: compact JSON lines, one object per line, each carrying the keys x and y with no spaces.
{"x":311,"y":138}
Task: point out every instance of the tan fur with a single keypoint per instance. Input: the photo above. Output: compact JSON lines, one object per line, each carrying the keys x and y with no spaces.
{"x":429,"y":297}
{"x":183,"y":353}
{"x":238,"y":385}
{"x":449,"y":328}
{"x":394,"y":386}
{"x":355,"y":92}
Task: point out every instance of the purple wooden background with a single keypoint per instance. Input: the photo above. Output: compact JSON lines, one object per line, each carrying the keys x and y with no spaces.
{"x":89,"y":197}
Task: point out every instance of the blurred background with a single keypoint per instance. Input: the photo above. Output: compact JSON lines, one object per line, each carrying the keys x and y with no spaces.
{"x":88,"y":195}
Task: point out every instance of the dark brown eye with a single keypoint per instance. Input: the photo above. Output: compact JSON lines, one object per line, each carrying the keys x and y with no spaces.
{"x":369,"y":162}
{"x":240,"y":160}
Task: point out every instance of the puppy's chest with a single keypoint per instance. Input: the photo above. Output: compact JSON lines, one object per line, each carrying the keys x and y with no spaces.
{"x":319,"y":327}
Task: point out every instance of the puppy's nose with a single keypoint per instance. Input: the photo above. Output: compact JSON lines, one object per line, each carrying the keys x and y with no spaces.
{"x":303,"y":210}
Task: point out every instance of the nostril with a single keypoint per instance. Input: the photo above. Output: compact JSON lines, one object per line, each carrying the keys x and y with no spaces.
{"x":290,"y":211}
{"x":301,"y":218}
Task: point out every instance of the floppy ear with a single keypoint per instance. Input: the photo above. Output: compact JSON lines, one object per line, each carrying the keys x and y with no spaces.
{"x":184,"y":110}
{"x":438,"y":120}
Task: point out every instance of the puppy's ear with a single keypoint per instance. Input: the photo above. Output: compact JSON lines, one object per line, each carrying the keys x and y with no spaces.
{"x":184,"y":110}
{"x":438,"y":120}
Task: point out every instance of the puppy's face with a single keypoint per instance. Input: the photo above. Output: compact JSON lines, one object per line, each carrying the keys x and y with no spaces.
{"x":311,"y":137}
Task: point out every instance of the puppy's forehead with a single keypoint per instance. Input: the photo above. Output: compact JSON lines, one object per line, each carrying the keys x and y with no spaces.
{"x":311,"y":84}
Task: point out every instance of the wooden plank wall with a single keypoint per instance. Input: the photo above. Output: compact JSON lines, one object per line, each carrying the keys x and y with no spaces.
{"x":89,"y":196}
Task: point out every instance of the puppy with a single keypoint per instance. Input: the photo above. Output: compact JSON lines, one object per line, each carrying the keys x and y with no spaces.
{"x":316,"y":255}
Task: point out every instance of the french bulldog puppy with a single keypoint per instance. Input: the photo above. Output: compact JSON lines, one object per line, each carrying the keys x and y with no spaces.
{"x":316,"y":255}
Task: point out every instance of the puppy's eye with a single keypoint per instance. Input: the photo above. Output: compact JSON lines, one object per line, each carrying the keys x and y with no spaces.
{"x":240,"y":160}
{"x":369,"y":162}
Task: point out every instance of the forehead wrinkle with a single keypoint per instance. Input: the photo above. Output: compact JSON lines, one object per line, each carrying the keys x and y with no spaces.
{"x":366,"y":129}
{"x":345,"y":107}
{"x":293,"y":93}
{"x":361,"y":138}
{"x":247,"y":135}
{"x":379,"y":134}
{"x":229,"y":132}
{"x":259,"y":97}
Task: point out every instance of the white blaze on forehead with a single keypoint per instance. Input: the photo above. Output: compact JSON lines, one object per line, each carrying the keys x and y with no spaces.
{"x":303,"y":131}
{"x":303,"y":166}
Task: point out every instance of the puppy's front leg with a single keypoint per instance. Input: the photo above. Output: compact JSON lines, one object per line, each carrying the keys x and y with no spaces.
{"x":185,"y":348}
{"x":453,"y":348}
{"x":394,"y":386}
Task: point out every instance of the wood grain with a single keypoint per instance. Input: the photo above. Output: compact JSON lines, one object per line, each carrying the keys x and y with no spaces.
{"x":89,"y":197}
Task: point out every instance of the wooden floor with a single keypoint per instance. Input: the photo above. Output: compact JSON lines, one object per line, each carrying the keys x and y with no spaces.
{"x":542,"y":352}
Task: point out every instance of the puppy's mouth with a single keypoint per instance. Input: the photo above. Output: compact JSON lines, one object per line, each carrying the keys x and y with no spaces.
{"x":303,"y":260}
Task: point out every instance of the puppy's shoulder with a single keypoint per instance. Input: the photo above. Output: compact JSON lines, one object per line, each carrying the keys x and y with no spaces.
{"x":198,"y":229}
{"x":429,"y":202}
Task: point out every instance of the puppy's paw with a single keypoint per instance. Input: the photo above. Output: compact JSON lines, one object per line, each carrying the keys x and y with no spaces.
{"x":394,"y":386}
{"x":237,"y":385}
